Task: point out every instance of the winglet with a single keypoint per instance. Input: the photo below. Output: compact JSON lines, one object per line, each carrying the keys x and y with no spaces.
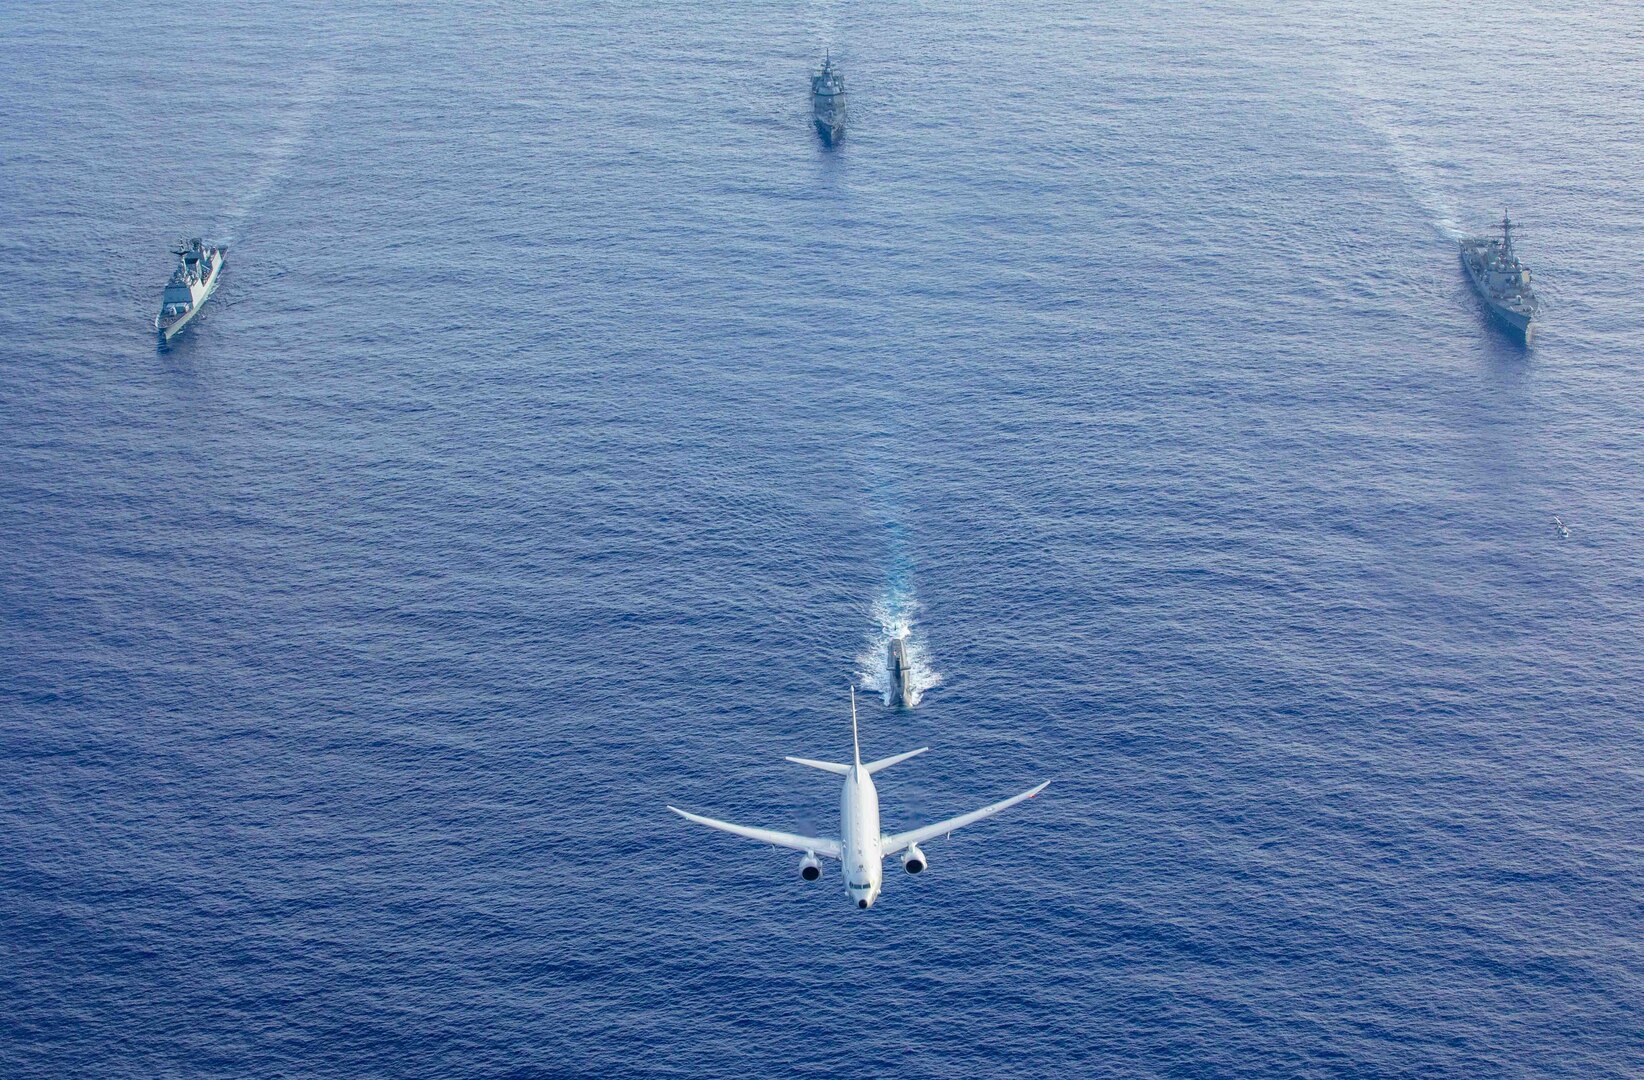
{"x":856,"y":743}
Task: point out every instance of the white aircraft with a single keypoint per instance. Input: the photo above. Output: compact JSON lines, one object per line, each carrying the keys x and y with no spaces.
{"x":861,"y":847}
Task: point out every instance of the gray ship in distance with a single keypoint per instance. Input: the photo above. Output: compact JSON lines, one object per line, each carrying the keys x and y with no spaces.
{"x":1502,"y":281}
{"x":828,"y":103}
{"x":191,"y":285}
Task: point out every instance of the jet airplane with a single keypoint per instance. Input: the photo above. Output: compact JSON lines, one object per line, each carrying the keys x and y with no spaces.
{"x":861,"y":847}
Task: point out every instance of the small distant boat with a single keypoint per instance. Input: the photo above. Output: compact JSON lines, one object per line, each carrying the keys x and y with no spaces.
{"x":828,"y":103}
{"x":1501,"y":279}
{"x":191,"y":285}
{"x":1563,"y":529}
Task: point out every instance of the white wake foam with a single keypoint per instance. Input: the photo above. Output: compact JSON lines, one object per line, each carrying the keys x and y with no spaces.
{"x":1419,"y":177}
{"x":295,"y":123}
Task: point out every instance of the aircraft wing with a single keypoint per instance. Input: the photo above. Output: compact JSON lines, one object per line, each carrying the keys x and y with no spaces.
{"x":818,"y":844}
{"x":891,"y":844}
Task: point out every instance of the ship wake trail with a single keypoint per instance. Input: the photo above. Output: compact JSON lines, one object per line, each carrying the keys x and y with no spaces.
{"x":894,"y":618}
{"x":1417,"y":176}
{"x":296,"y":116}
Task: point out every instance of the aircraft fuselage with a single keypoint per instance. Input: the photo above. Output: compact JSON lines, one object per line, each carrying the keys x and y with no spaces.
{"x":861,"y":857}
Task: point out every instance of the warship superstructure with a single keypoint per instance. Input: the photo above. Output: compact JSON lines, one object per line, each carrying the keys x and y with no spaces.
{"x":1501,"y":279}
{"x":191,"y":285}
{"x":828,"y":102}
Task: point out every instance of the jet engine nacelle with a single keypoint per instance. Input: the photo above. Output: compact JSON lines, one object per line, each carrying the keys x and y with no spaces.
{"x":913,"y":860}
{"x":809,"y":867}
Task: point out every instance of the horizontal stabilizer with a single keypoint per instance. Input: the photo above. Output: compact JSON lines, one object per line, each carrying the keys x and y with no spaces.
{"x":825,"y":766}
{"x":885,"y":763}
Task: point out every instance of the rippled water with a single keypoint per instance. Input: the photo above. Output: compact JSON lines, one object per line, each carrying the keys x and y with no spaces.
{"x":566,"y":410}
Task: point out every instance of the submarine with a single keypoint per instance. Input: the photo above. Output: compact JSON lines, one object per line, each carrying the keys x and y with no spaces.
{"x":901,"y":674}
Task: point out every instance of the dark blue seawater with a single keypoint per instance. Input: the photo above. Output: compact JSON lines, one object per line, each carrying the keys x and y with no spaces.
{"x":569,"y":418}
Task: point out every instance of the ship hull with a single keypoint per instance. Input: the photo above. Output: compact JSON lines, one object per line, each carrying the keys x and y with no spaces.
{"x":831,"y":131}
{"x":828,"y":104}
{"x":1512,"y":320}
{"x":164,"y":332}
{"x":1516,"y":321}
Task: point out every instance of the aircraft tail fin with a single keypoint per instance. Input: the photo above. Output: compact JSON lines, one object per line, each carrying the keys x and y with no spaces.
{"x":856,"y":743}
{"x":885,"y":763}
{"x":825,"y":766}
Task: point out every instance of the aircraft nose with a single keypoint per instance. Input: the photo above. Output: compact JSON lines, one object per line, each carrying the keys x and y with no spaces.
{"x":862,"y":903}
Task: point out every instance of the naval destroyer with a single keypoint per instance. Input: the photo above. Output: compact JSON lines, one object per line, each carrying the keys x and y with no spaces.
{"x":1501,"y":279}
{"x":828,"y":103}
{"x":191,"y":285}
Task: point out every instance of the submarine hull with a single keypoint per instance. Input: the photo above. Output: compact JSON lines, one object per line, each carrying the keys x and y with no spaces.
{"x":901,"y":675}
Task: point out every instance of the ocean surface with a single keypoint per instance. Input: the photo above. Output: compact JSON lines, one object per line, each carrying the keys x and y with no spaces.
{"x":571,"y":428}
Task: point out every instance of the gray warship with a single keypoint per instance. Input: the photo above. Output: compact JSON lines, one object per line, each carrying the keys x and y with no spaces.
{"x":1501,"y":279}
{"x":191,"y":285}
{"x":828,"y":103}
